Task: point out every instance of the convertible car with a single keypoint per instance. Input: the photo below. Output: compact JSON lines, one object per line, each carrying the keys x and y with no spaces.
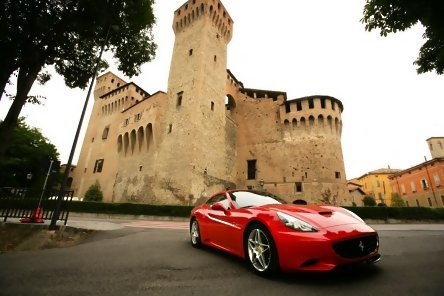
{"x":274,"y":235}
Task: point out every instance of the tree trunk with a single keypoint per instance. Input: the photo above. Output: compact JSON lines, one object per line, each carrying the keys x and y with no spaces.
{"x":5,"y":74}
{"x":26,"y":77}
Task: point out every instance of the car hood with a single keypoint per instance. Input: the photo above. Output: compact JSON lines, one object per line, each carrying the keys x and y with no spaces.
{"x":320,"y":216}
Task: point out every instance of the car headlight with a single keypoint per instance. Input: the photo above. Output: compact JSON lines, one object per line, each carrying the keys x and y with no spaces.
{"x":354,"y":215}
{"x":295,"y":223}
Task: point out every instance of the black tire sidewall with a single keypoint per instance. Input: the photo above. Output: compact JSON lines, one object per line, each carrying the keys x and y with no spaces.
{"x":198,"y":243}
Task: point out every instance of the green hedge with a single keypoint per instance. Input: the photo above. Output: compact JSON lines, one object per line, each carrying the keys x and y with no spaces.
{"x":129,"y":209}
{"x":377,"y":213}
{"x":404,"y":213}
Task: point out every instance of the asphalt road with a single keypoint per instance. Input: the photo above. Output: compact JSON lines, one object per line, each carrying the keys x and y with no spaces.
{"x":148,"y":261}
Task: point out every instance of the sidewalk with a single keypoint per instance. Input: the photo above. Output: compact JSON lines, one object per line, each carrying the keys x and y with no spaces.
{"x":113,"y":222}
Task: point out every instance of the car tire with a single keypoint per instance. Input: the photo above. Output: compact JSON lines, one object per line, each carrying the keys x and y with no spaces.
{"x":195,"y":233}
{"x":260,"y":250}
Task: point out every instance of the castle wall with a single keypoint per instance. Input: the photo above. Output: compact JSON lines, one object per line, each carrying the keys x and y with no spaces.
{"x":297,"y":160}
{"x":201,"y":136}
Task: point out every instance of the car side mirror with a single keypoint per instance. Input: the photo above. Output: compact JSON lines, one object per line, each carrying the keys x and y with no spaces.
{"x":218,"y":207}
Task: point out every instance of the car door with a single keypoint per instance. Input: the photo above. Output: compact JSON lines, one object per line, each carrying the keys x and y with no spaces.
{"x":227,"y":232}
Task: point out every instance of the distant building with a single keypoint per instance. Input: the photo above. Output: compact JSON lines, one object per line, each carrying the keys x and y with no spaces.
{"x":208,"y":131}
{"x":436,"y":146}
{"x":421,"y":185}
{"x":377,"y":185}
{"x":356,"y":192}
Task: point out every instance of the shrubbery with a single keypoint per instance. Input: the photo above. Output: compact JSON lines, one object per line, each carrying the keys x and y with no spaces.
{"x":94,"y":193}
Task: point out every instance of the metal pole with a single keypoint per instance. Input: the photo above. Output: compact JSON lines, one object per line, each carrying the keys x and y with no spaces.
{"x":44,"y":184}
{"x":430,"y":181}
{"x":56,"y":214}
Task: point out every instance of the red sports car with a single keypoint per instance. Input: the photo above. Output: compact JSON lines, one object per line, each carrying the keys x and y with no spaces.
{"x":274,"y":235}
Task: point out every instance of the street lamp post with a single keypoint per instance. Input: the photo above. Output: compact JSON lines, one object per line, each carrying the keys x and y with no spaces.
{"x":56,"y":214}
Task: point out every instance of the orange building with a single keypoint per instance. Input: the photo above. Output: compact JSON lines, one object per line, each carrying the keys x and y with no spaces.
{"x":376,"y":184}
{"x":421,"y":185}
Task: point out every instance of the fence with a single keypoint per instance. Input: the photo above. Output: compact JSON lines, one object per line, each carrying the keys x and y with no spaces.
{"x":23,"y":202}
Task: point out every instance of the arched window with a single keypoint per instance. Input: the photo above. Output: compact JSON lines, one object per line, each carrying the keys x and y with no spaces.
{"x":133,"y":141}
{"x":149,"y":136}
{"x":286,"y":122}
{"x":230,"y":103}
{"x":125,"y":143}
{"x":337,"y":125}
{"x":140,"y":138}
{"x":303,"y":124}
{"x":311,"y":120}
{"x":119,"y":143}
{"x":330,"y":122}
{"x":321,"y":121}
{"x":294,"y":123}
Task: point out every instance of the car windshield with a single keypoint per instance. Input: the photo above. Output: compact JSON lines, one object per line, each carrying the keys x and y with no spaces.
{"x":244,"y":199}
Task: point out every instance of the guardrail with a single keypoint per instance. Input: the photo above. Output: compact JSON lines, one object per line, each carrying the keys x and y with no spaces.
{"x":32,"y":205}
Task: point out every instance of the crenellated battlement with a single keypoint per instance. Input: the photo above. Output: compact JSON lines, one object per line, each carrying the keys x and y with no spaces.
{"x":313,"y":112}
{"x":213,"y":10}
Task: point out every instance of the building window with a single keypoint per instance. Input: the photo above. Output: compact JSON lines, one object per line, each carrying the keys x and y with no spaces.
{"x":424,"y":184}
{"x":298,"y":186}
{"x":98,"y":166}
{"x":413,"y":186}
{"x":212,"y":106}
{"x":430,"y":201}
{"x":105,"y":133}
{"x":251,"y":169}
{"x":287,"y":107}
{"x":333,"y":105}
{"x":179,"y":98}
{"x":310,"y":104}
{"x":337,"y":175}
{"x":402,"y":188}
{"x":298,"y":106}
{"x":137,"y":117}
{"x":322,"y":103}
{"x":126,"y":122}
{"x":170,"y":128}
{"x":190,"y":52}
{"x":437,"y":180}
{"x":215,"y":58}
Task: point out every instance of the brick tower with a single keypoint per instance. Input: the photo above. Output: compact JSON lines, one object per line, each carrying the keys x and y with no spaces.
{"x":195,"y":154}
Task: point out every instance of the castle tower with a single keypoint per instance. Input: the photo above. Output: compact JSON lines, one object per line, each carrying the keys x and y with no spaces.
{"x":194,"y":146}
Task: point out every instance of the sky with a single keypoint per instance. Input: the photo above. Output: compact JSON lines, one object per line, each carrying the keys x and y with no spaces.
{"x":302,"y":47}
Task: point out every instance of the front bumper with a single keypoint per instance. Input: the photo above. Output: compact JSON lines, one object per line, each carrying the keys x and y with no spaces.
{"x":315,"y":251}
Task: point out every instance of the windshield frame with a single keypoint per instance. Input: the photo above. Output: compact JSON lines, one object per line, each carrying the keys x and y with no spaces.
{"x":278,"y":199}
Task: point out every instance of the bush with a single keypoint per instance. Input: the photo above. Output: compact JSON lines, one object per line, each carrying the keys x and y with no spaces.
{"x":369,"y":201}
{"x":397,"y":201}
{"x":94,"y":193}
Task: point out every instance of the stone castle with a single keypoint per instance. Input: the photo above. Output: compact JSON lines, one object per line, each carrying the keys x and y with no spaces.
{"x":208,"y":132}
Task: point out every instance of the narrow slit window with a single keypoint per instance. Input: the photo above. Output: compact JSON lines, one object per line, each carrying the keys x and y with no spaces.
{"x":179,"y":98}
{"x":251,"y":169}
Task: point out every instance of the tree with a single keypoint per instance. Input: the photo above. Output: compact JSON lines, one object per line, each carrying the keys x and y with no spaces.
{"x":391,"y":16}
{"x":68,"y":35}
{"x":29,"y":152}
{"x":94,"y":193}
{"x":328,"y":197}
{"x":397,"y":201}
{"x":369,"y":201}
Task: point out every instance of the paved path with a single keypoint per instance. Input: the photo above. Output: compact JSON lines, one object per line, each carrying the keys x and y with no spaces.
{"x":97,"y":222}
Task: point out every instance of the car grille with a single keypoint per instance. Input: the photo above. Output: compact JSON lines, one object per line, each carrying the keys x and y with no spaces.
{"x":356,"y":247}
